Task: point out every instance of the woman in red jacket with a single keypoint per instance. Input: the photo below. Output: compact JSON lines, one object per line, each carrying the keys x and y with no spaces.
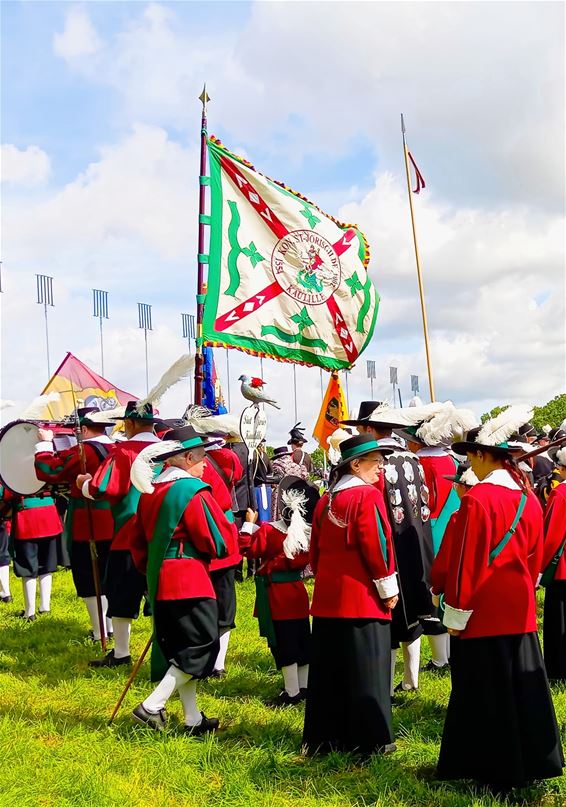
{"x":500,"y":725}
{"x":554,"y":576}
{"x":348,"y":705}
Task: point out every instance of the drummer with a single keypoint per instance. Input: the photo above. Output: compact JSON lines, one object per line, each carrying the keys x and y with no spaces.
{"x":58,"y":467}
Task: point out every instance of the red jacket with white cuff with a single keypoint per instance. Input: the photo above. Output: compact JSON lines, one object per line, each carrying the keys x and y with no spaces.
{"x":184,"y":574}
{"x":287,"y":600}
{"x":496,"y":598}
{"x":437,"y":464}
{"x":33,"y":517}
{"x":65,"y":466}
{"x":351,"y":553}
{"x":112,"y":483}
{"x":231,"y":467}
{"x":555,"y":530}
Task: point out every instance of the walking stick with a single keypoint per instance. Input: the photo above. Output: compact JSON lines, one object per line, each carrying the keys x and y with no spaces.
{"x":130,"y":680}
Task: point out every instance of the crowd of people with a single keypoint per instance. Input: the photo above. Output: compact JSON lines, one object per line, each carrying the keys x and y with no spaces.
{"x":424,"y":524}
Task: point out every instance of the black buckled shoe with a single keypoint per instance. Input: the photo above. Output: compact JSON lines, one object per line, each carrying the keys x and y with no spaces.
{"x":218,"y":674}
{"x":110,"y":660}
{"x":7,"y":598}
{"x":432,"y":667}
{"x":284,"y":699}
{"x":303,"y":691}
{"x":154,"y":720}
{"x":208,"y":725}
{"x":22,"y":615}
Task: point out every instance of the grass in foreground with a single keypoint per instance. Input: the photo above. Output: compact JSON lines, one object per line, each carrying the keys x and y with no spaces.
{"x":56,"y":748}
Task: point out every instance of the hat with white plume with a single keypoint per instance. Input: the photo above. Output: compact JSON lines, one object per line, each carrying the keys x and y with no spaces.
{"x":441,"y":427}
{"x":146,"y":466}
{"x":179,"y":369}
{"x":387,"y":416}
{"x":36,"y":409}
{"x":464,"y":475}
{"x":296,"y":501}
{"x":494,"y":434}
{"x":334,"y":441}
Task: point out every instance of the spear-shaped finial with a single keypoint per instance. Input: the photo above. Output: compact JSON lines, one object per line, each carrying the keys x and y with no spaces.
{"x":204,"y":98}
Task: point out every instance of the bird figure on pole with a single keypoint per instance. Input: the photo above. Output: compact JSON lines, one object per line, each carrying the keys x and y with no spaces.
{"x":252,"y":390}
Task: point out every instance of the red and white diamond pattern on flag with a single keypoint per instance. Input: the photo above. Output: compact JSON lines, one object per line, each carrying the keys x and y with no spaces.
{"x":278,"y":268}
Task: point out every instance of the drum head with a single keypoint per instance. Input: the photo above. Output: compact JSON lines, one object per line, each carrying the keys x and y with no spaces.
{"x":17,"y":452}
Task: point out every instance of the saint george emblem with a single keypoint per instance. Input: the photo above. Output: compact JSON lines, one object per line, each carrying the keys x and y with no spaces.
{"x":425,"y":513}
{"x":412,"y":493}
{"x":424,"y":494}
{"x":391,"y":474}
{"x":398,"y":514}
{"x":395,"y":497}
{"x":408,"y":471}
{"x":306,"y":267}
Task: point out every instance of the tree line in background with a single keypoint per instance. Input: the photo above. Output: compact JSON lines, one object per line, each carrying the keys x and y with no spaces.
{"x":551,"y":414}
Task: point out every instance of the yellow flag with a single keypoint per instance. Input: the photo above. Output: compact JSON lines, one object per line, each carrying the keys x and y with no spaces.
{"x":333,"y":410}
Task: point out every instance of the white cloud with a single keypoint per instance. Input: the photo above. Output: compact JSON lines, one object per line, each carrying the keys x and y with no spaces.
{"x":78,"y":39}
{"x":30,"y":166}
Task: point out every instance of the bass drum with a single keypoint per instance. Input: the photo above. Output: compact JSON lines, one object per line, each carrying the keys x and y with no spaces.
{"x":17,"y":452}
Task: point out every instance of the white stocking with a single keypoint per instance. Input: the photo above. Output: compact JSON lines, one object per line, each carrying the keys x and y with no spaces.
{"x":439,"y":649}
{"x":109,"y":626}
{"x":291,"y":679}
{"x":411,"y":661}
{"x":45,"y":581}
{"x":92,"y":609}
{"x":188,"y":695}
{"x":303,"y":673}
{"x":4,"y":581}
{"x":172,"y":680}
{"x":30,"y":587}
{"x":221,"y":657}
{"x":122,"y":628}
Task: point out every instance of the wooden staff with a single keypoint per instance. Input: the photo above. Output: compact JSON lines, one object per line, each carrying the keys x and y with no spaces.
{"x":418,"y":262}
{"x":130,"y":680}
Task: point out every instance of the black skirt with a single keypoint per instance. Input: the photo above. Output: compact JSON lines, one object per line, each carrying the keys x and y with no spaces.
{"x":224,"y":583}
{"x":81,"y":566}
{"x":554,"y":630}
{"x":293,"y":637}
{"x":348,"y":704}
{"x":500,"y":726}
{"x":187,"y":634}
{"x":123,"y":584}
{"x":35,"y":557}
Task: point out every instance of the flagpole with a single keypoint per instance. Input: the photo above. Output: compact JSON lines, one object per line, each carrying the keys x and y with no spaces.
{"x":199,"y":363}
{"x":321,"y":386}
{"x":146,"y":364}
{"x":418,"y":262}
{"x":228,"y":377}
{"x":295,"y":390}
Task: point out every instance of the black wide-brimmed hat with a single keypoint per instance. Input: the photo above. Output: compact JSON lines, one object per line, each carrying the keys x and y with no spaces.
{"x":187,"y":437}
{"x":83,"y":413}
{"x":297,"y":435}
{"x":146,"y":413}
{"x":527,"y":430}
{"x":296,"y":483}
{"x":281,"y":451}
{"x":365,"y":410}
{"x":355,"y":447}
{"x":471,"y":444}
{"x":460,"y":471}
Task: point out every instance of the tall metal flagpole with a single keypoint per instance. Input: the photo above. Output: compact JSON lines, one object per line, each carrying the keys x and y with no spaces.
{"x":228,"y":377}
{"x":418,"y":262}
{"x":202,"y":220}
{"x":347,"y":373}
{"x":321,"y":385}
{"x":371,"y":374}
{"x":100,"y":310}
{"x":144,"y":319}
{"x":295,"y":390}
{"x":189,"y":333}
{"x":45,"y":297}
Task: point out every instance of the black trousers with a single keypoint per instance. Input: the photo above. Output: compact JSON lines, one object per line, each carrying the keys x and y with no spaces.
{"x":187,"y":633}
{"x":81,"y":566}
{"x":35,"y":557}
{"x":554,"y":630}
{"x":224,"y":583}
{"x":123,"y":584}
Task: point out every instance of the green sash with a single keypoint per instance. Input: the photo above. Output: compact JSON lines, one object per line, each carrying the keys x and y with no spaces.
{"x":263,"y":610}
{"x":550,"y":571}
{"x":438,"y":525}
{"x":510,"y":532}
{"x":172,"y":508}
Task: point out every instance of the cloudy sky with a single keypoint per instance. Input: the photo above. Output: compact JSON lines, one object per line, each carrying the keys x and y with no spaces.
{"x":100,"y":128}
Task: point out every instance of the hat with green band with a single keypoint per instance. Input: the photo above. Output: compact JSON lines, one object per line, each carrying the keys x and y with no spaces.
{"x":187,"y":437}
{"x":359,"y":446}
{"x":135,"y":411}
{"x":84,"y":414}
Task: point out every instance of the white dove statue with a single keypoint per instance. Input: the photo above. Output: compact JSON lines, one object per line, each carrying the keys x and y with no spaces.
{"x":252,"y":390}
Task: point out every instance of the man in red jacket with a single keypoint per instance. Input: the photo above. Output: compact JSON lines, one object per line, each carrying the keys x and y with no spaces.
{"x":125,"y":586}
{"x":179,"y":529}
{"x":59,"y":467}
{"x":554,"y":574}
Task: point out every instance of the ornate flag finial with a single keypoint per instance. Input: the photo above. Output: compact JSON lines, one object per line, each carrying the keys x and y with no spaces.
{"x":204,"y":97}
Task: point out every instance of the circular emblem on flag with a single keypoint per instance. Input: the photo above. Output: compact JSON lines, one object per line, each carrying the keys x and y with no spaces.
{"x":306,"y":267}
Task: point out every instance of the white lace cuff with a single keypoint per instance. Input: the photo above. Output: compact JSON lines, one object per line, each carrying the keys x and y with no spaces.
{"x":248,"y":528}
{"x":455,"y":618}
{"x":44,"y":445}
{"x":387,"y":586}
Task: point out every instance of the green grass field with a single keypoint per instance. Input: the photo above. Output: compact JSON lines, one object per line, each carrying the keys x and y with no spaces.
{"x":57,"y":749}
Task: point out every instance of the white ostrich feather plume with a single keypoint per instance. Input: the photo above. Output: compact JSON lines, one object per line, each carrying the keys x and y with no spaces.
{"x":499,"y":429}
{"x":469,"y":477}
{"x":143,"y":468}
{"x":447,"y":425}
{"x":108,"y":414}
{"x":178,"y":370}
{"x":334,"y":441}
{"x":227,"y":424}
{"x":35,"y":411}
{"x":194,"y":411}
{"x":561,"y":457}
{"x":298,"y":531}
{"x":410,"y":416}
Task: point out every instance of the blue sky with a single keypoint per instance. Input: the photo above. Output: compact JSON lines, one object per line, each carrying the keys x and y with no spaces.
{"x":100,"y":125}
